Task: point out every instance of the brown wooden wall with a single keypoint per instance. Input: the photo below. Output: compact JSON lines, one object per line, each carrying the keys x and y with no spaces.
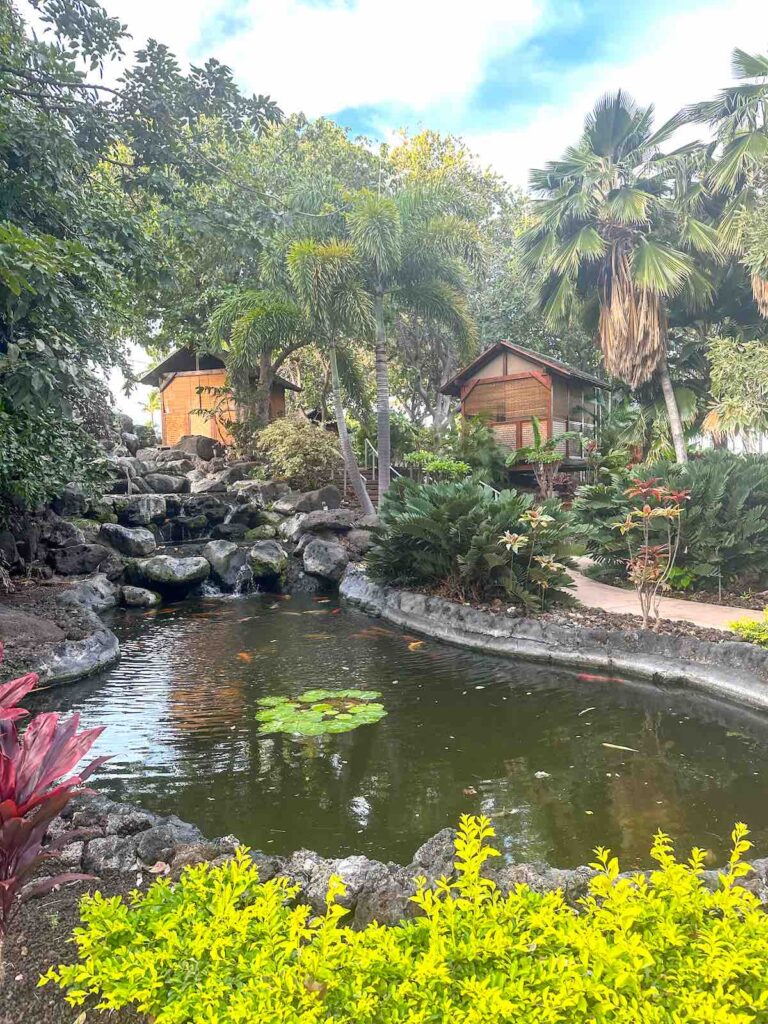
{"x":179,"y":400}
{"x":508,"y":399}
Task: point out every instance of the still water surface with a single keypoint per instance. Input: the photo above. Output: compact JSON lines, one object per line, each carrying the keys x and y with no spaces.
{"x":464,"y":732}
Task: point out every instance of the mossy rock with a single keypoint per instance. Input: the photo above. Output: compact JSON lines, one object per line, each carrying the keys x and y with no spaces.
{"x":264,"y":532}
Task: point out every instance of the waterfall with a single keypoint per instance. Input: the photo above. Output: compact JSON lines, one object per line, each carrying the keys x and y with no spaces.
{"x":244,"y":581}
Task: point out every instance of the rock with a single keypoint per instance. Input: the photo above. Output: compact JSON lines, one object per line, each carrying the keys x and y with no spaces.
{"x":77,"y":559}
{"x":338,"y":520}
{"x":102,"y":511}
{"x":131,"y":442}
{"x":127,"y":820}
{"x":214,"y":509}
{"x":210,"y":485}
{"x":162,"y":483}
{"x":369,"y":522}
{"x":97,"y":594}
{"x":169,"y":575}
{"x":64,"y":533}
{"x":325,"y":559}
{"x":260,"y":532}
{"x":267,"y":559}
{"x":264,"y":491}
{"x":359,"y":542}
{"x":236,"y":472}
{"x":172,"y":455}
{"x":250,"y":515}
{"x":139,"y":597}
{"x":229,"y":531}
{"x":136,"y":485}
{"x":125,"y":422}
{"x":184,"y":528}
{"x":9,"y":555}
{"x":190,"y":855}
{"x":70,"y":857}
{"x":72,"y":501}
{"x":289,"y":528}
{"x":76,"y":659}
{"x":196,"y":444}
{"x":140,"y":509}
{"x":160,"y":841}
{"x":148,"y":454}
{"x":111,"y":853}
{"x":226,"y":560}
{"x":135,"y":541}
{"x":309,"y":501}
{"x":435,"y":858}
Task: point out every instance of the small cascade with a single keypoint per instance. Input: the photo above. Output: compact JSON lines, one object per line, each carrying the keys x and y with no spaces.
{"x":244,"y":581}
{"x":210,"y":589}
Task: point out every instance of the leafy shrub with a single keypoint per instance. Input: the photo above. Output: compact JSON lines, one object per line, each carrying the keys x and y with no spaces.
{"x":33,"y":791}
{"x":471,"y":440}
{"x":220,"y":947}
{"x":754,"y":632}
{"x":437,"y":467}
{"x":724,"y":528}
{"x":305,"y":455}
{"x":454,"y":536}
{"x":544,"y":455}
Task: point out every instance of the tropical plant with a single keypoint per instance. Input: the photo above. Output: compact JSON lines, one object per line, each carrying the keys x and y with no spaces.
{"x":751,"y":631}
{"x":545,"y":457}
{"x":319,"y":712}
{"x":304,"y":454}
{"x":738,"y":117}
{"x":739,"y":386}
{"x":470,"y":439}
{"x":613,"y":230}
{"x":436,"y":467}
{"x":34,"y":789}
{"x":650,"y":565}
{"x":151,"y":407}
{"x":219,"y":945}
{"x":455,"y":538}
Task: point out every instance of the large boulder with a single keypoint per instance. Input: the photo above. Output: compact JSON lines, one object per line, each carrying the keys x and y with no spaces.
{"x":135,"y":541}
{"x":264,"y":491}
{"x":64,"y":533}
{"x":72,"y":501}
{"x":267,"y":559}
{"x":210,"y":485}
{"x":163,"y":483}
{"x":131,"y":441}
{"x":214,"y":509}
{"x":148,"y":454}
{"x":97,"y":594}
{"x":77,"y":559}
{"x":172,"y":455}
{"x":250,"y":515}
{"x":289,"y":528}
{"x":169,"y":575}
{"x":337,"y":520}
{"x":140,"y":509}
{"x":229,"y":531}
{"x":227,"y":561}
{"x":197,"y":445}
{"x":310,"y":501}
{"x":131,"y":485}
{"x":139,"y":597}
{"x":325,"y":559}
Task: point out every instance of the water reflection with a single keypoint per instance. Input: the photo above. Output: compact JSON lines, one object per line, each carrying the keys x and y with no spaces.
{"x":463,"y":732}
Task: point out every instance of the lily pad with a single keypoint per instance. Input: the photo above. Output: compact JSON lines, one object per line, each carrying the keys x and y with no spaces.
{"x":317,"y":712}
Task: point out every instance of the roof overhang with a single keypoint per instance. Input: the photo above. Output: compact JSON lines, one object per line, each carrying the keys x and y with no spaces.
{"x":185,"y":360}
{"x":453,"y":386}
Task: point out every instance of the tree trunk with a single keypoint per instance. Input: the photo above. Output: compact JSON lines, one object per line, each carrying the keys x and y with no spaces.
{"x":382,"y":396}
{"x":673,"y":413}
{"x":442,"y":414}
{"x":353,"y":470}
{"x":262,"y":393}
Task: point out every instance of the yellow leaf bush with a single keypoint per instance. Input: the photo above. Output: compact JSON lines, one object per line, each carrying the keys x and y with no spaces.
{"x":221,"y":948}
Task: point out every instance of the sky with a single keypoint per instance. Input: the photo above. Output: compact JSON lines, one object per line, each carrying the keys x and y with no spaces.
{"x":514,"y":78}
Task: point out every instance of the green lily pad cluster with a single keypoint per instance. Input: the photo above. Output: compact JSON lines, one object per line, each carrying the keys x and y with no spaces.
{"x":320,"y":712}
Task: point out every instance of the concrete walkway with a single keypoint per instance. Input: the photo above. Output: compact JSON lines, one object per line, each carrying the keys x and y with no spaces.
{"x":625,"y":602}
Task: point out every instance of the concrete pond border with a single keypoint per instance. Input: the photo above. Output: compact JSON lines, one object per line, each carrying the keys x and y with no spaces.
{"x":734,"y":671}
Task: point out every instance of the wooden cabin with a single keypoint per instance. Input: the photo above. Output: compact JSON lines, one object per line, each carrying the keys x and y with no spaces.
{"x":508,"y":385}
{"x":178,"y":378}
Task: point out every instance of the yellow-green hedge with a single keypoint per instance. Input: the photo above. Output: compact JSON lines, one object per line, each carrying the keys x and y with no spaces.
{"x":221,"y":948}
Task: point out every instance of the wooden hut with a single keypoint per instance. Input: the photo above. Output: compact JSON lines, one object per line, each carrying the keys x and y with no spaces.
{"x":508,"y":385}
{"x":182,"y":408}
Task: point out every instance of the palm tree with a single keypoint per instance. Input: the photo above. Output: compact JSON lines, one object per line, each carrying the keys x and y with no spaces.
{"x":413,"y":252}
{"x":613,"y":232}
{"x":326,"y":279}
{"x":256,"y":330}
{"x":738,"y":116}
{"x":152,"y":406}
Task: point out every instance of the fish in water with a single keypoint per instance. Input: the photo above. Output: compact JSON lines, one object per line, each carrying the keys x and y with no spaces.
{"x":585,"y":677}
{"x":618,"y":746}
{"x":245,"y":656}
{"x":415,"y":645}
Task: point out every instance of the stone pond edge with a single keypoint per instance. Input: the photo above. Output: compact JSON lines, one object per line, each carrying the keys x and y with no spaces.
{"x":731,"y":670}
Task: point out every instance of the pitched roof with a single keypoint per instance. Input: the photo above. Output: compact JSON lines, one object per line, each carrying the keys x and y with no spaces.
{"x":184,"y":360}
{"x":452,"y":387}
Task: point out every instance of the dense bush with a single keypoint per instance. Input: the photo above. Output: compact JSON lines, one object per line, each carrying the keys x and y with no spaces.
{"x":220,"y":947}
{"x":304,"y":454}
{"x":456,"y":538}
{"x":471,"y":440}
{"x":724,"y":527}
{"x":753,"y":632}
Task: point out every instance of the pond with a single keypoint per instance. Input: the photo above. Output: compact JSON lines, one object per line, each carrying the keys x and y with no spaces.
{"x":538,"y":750}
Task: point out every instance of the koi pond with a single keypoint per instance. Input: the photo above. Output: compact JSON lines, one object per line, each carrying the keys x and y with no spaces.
{"x":397,"y":736}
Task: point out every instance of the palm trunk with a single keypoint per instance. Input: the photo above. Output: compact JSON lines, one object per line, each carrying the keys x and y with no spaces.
{"x":382,"y":396}
{"x":673,"y":413}
{"x":353,"y":470}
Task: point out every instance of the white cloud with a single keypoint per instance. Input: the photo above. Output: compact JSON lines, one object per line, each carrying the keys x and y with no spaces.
{"x":687,"y":59}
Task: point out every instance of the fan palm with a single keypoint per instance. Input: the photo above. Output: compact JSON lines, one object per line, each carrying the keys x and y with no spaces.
{"x":614,"y":228}
{"x":326,"y":279}
{"x":738,"y":116}
{"x":413,"y":252}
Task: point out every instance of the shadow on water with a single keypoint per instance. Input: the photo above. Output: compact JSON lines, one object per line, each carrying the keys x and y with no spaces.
{"x":464,"y":732}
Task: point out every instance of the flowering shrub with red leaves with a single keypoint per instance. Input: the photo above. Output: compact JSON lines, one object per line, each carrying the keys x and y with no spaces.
{"x":34,"y":790}
{"x":650,"y":565}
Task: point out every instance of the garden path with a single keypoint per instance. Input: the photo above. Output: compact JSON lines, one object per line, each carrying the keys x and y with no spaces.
{"x":625,"y":602}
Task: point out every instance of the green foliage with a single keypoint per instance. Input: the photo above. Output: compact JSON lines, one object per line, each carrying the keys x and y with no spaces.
{"x":320,"y":712}
{"x":219,"y":946}
{"x":724,"y":531}
{"x":437,"y":467}
{"x":544,"y":456}
{"x":470,"y":439}
{"x":739,"y":370}
{"x":456,"y":538}
{"x":754,"y":632}
{"x":306,"y":455}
